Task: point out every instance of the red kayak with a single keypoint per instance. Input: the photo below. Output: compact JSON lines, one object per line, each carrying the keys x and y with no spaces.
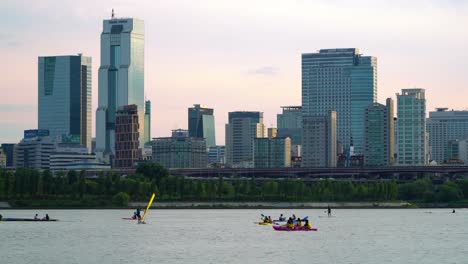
{"x":283,"y":228}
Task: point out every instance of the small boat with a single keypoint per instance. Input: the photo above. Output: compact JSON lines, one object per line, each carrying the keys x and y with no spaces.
{"x":263,"y":223}
{"x":27,"y":220}
{"x":294,"y":221}
{"x":283,"y":228}
{"x":129,"y":218}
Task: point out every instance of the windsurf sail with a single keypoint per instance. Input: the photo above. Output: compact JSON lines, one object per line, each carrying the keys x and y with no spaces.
{"x":148,"y":206}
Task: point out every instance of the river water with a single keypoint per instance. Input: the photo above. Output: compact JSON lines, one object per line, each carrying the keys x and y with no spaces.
{"x":229,"y":236}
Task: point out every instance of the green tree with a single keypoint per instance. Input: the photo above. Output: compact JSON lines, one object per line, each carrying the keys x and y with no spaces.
{"x":121,"y":199}
{"x":82,"y":183}
{"x":152,"y":171}
{"x":449,"y":192}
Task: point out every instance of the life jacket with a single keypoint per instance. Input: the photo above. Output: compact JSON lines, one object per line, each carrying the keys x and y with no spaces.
{"x":308,"y":226}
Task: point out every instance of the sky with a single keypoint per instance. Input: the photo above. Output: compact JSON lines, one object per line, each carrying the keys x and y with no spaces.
{"x":236,"y":55}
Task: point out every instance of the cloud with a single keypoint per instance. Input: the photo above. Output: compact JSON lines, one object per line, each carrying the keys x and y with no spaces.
{"x":265,"y":70}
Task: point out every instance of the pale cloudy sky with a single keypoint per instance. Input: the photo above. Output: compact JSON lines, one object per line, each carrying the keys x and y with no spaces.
{"x":238,"y":54}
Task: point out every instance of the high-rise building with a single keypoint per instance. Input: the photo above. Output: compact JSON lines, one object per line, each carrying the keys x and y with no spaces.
{"x":242,"y":129}
{"x":319,"y":140}
{"x":147,"y":122}
{"x":344,"y":81}
{"x":272,"y":132}
{"x":216,"y":155}
{"x":3,"y":159}
{"x":412,"y":136}
{"x":201,"y":124}
{"x":289,"y":123}
{"x":64,"y":98}
{"x":74,"y":157}
{"x":34,"y":149}
{"x":126,"y":137}
{"x":378,"y":134}
{"x":180,"y":151}
{"x":444,"y":126}
{"x":10,"y":154}
{"x":121,"y":78}
{"x":272,"y":152}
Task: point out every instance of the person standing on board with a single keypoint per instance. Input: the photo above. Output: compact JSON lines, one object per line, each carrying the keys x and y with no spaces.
{"x":329,"y":210}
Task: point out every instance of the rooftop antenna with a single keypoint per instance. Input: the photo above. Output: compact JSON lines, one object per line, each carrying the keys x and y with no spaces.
{"x":112,"y":13}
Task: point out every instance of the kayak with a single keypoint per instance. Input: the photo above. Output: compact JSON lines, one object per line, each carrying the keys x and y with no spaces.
{"x":27,"y":220}
{"x":263,"y":223}
{"x":129,"y":218}
{"x":283,"y":228}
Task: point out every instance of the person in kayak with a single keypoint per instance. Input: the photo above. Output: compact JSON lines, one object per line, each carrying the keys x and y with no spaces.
{"x":36,"y":217}
{"x":282,"y":218}
{"x":307,"y":225}
{"x":329,"y":210}
{"x":290,"y":223}
{"x":138,"y":215}
{"x":294,"y":217}
{"x":47,"y":217}
{"x":299,"y":222}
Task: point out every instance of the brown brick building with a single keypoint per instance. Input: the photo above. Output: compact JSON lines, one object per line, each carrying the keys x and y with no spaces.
{"x":126,"y":137}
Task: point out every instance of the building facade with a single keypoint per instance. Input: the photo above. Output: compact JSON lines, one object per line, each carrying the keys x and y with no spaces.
{"x":10,"y":154}
{"x":289,"y":123}
{"x":3,"y":159}
{"x":64,"y":98}
{"x":242,"y":129}
{"x":34,"y":149}
{"x":319,"y":140}
{"x":216,"y":156}
{"x":147,"y":136}
{"x":412,"y":136}
{"x":378,"y":134}
{"x":201,"y":124}
{"x":444,"y":126}
{"x":121,"y":78}
{"x":74,"y":157}
{"x":180,"y":151}
{"x":272,"y":152}
{"x":344,"y":81}
{"x":127,"y":134}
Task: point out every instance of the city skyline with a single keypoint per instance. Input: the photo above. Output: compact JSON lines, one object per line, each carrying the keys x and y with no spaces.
{"x":235,"y":57}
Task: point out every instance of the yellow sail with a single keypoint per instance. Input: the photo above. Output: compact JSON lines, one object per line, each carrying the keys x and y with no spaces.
{"x":147,"y":207}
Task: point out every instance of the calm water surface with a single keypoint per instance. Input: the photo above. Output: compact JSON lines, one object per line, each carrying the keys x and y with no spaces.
{"x":229,"y":236}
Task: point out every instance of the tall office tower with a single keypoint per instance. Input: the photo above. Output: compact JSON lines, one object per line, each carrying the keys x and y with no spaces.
{"x":201,"y":124}
{"x":444,"y":126}
{"x":64,"y":98}
{"x":412,"y":136}
{"x":272,"y":132}
{"x":289,"y":123}
{"x":147,"y":124}
{"x":242,"y":129}
{"x":272,"y":152}
{"x":389,"y":103}
{"x":378,"y":135}
{"x":180,"y":151}
{"x":34,"y":149}
{"x":344,"y":81}
{"x":319,"y":140}
{"x":121,"y":78}
{"x":10,"y":153}
{"x":126,"y":137}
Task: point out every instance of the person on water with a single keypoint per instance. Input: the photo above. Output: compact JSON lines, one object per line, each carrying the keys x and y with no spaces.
{"x":282,"y":218}
{"x":290,"y":223}
{"x":1,"y":216}
{"x":47,"y":217}
{"x":138,"y":215}
{"x":453,"y":211}
{"x":307,"y":225}
{"x":329,"y":210}
{"x":293,"y":217}
{"x":265,"y":219}
{"x":36,"y":217}
{"x":299,"y":222}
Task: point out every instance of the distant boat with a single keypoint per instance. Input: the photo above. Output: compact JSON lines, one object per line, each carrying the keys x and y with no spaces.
{"x":142,"y":221}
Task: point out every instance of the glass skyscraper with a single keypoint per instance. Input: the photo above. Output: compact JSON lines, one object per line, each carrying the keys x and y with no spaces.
{"x":64,"y":98}
{"x":201,"y":124}
{"x":289,"y":123}
{"x":344,"y":81}
{"x":147,"y":135}
{"x":412,"y":136}
{"x":378,"y":150}
{"x":121,"y":78}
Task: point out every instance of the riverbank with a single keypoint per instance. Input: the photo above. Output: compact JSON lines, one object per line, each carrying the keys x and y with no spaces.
{"x":99,"y":204}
